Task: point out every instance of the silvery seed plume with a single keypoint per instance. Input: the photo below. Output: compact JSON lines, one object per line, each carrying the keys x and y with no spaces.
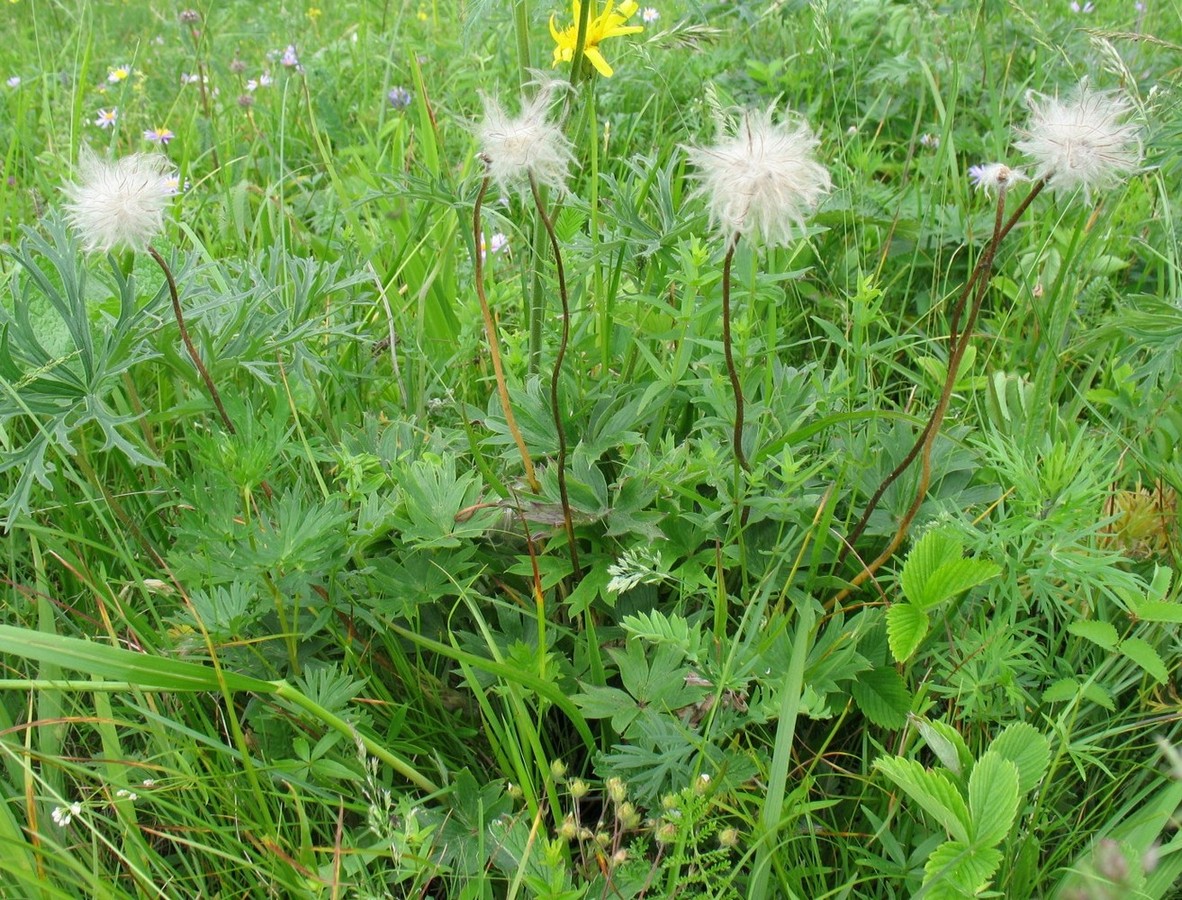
{"x":119,"y":203}
{"x":517,"y":147}
{"x":1085,"y":142}
{"x":763,"y":179}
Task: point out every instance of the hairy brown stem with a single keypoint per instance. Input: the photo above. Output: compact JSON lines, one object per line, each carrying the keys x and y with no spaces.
{"x":180,"y":321}
{"x":736,"y":385}
{"x":555,"y":408}
{"x":954,"y":339}
{"x":494,"y":345}
{"x":979,"y":280}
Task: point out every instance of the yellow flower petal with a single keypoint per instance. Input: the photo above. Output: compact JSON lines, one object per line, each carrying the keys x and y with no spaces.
{"x":596,"y":59}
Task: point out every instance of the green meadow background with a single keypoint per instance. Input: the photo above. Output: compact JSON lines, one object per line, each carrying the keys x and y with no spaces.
{"x":346,"y":652}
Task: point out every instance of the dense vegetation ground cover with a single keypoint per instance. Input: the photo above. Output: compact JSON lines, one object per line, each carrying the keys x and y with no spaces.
{"x":345,"y":647}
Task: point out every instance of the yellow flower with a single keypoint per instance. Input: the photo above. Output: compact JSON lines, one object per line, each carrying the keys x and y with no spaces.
{"x":609,"y":23}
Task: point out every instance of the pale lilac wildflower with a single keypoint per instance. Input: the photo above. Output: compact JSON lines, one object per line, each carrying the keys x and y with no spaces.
{"x":159,"y":136}
{"x":14,"y":81}
{"x":107,"y":117}
{"x":399,"y":98}
{"x":289,"y":57}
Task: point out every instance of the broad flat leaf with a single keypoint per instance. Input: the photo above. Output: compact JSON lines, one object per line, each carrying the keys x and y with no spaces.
{"x":933,"y":791}
{"x":930,"y":552}
{"x":1099,"y":695}
{"x":1158,"y":611}
{"x":1027,"y":748}
{"x":993,"y":799}
{"x":882,"y":696}
{"x":1062,"y":690}
{"x":1102,"y":634}
{"x":960,"y":870}
{"x":1146,"y":657}
{"x":600,"y":702}
{"x":956,"y":577}
{"x":907,"y":625}
{"x":946,"y":742}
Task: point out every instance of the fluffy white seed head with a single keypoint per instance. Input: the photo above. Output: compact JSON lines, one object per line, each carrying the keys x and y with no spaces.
{"x":120,"y":202}
{"x":763,"y":179}
{"x":529,"y":144}
{"x":994,"y":177}
{"x":1085,"y":142}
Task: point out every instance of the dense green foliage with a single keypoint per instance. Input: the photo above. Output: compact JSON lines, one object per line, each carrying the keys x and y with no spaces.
{"x":346,"y":650}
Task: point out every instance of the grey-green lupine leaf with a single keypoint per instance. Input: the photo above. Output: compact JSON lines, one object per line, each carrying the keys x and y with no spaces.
{"x":933,"y":791}
{"x":993,"y":798}
{"x":1027,"y":748}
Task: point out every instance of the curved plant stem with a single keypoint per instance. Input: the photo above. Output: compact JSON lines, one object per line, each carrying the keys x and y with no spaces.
{"x":494,"y":346}
{"x":736,"y":386}
{"x":555,"y":408}
{"x":955,"y":338}
{"x":978,"y":285}
{"x":180,"y":321}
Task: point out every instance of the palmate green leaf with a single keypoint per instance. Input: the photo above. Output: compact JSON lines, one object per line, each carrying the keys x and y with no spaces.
{"x":933,"y":791}
{"x":115,"y":663}
{"x":993,"y":798}
{"x":1146,"y":657}
{"x":882,"y":696}
{"x":907,"y":625}
{"x":1027,"y":748}
{"x":956,"y":869}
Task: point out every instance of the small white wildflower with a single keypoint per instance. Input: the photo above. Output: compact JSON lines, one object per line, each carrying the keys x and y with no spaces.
{"x":994,"y":177}
{"x":118,"y":203}
{"x":929,"y":141}
{"x":649,"y":15}
{"x":64,"y":815}
{"x":763,"y":179}
{"x":148,"y":783}
{"x":1084,"y":142}
{"x":125,"y":794}
{"x":516,"y":148}
{"x":14,"y":81}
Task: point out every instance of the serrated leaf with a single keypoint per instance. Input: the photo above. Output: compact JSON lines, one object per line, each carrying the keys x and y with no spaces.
{"x":946,"y":742}
{"x":907,"y":625}
{"x":930,"y":552}
{"x":993,"y":798}
{"x":1103,"y":634}
{"x":1160,"y":586}
{"x":1099,"y":695}
{"x":1027,"y":748}
{"x":956,"y":577}
{"x":959,"y":868}
{"x":882,"y":696}
{"x":933,"y":791}
{"x":1146,"y":657}
{"x":1062,"y":690}
{"x":1158,"y":611}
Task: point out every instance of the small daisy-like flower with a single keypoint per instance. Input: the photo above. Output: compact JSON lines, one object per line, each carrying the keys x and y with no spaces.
{"x":608,"y":23}
{"x":118,"y":74}
{"x":289,"y":57}
{"x":929,"y":141}
{"x":125,"y":794}
{"x":399,"y":98}
{"x":106,"y":117}
{"x":252,"y":85}
{"x":996,"y":177}
{"x":528,"y":145}
{"x":187,"y":78}
{"x":159,"y":136}
{"x":265,"y":79}
{"x":1085,"y":142}
{"x":14,"y":81}
{"x":118,"y":203}
{"x":1085,"y":8}
{"x":173,"y":186}
{"x":763,"y":179}
{"x":494,"y":245}
{"x":649,"y":15}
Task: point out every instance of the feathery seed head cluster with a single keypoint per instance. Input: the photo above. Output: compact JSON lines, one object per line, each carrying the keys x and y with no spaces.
{"x":1085,"y":142}
{"x":516,"y":148}
{"x":121,"y":202}
{"x":763,"y":179}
